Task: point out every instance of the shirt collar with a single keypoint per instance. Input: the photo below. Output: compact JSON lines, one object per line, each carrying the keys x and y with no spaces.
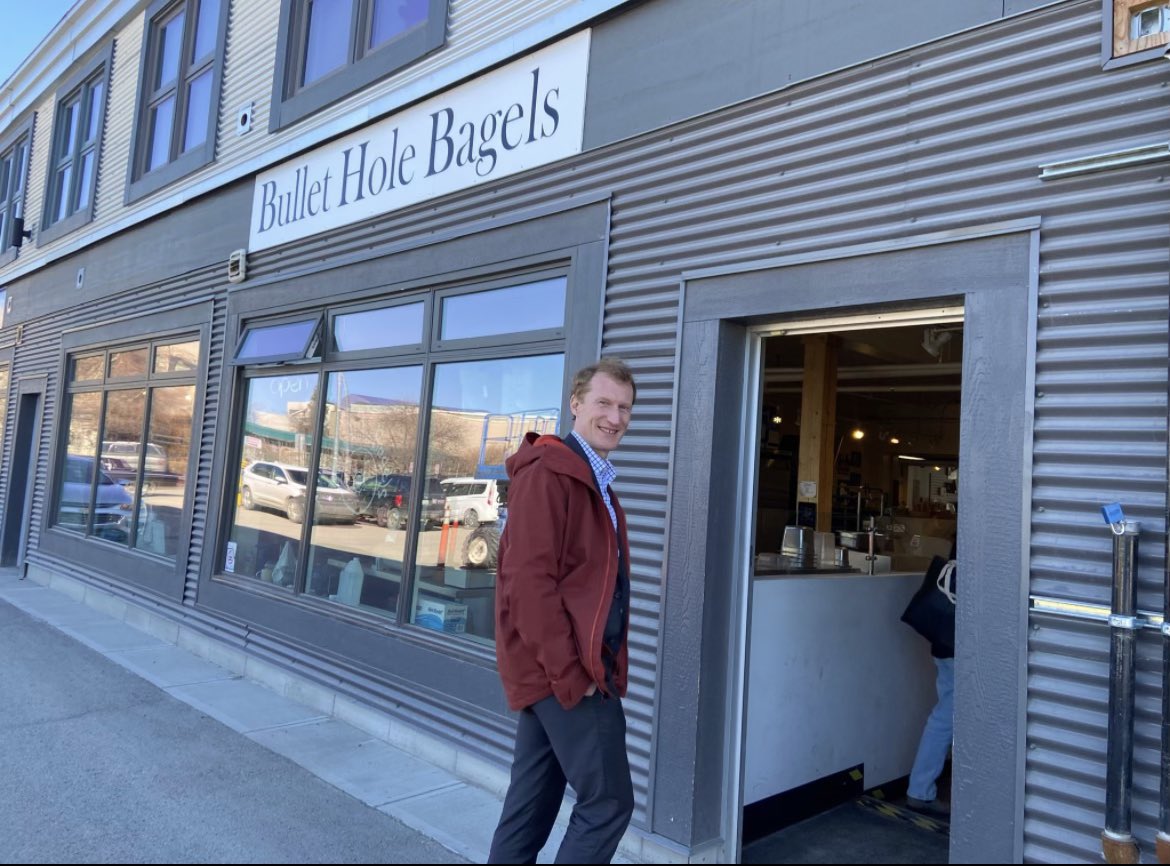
{"x":603,"y":470}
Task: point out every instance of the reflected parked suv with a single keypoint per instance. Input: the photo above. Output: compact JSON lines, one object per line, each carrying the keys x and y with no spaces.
{"x":385,"y":499}
{"x":473,"y":501}
{"x":281,"y":486}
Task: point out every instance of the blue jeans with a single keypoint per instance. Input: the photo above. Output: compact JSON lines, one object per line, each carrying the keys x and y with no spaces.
{"x":936,"y":736}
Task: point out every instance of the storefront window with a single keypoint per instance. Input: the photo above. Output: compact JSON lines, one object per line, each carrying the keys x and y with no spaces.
{"x":358,"y":539}
{"x":123,"y":476}
{"x":478,"y":414}
{"x":271,"y":500}
{"x":337,"y":500}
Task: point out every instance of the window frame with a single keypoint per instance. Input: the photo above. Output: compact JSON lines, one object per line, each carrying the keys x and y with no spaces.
{"x":80,"y":85}
{"x":429,"y":356}
{"x":142,"y":181}
{"x":292,"y":102}
{"x":124,"y":563}
{"x":21,"y":133}
{"x":312,"y":350}
{"x":1110,"y":43}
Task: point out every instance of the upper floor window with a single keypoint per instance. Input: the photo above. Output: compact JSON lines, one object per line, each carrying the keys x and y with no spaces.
{"x":178,"y":96}
{"x":1138,"y":27}
{"x":329,"y":49}
{"x":13,"y":180}
{"x":73,"y":160}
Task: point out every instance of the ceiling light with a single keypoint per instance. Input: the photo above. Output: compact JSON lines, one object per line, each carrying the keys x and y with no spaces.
{"x":894,"y":440}
{"x":933,"y":339}
{"x":776,"y":419}
{"x":908,"y":457}
{"x":858,"y":433}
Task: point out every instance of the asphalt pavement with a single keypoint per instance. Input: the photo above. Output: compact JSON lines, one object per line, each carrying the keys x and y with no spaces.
{"x":119,"y":747}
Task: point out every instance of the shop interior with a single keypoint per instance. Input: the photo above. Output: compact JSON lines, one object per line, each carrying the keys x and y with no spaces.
{"x":856,"y":491}
{"x":859,"y":442}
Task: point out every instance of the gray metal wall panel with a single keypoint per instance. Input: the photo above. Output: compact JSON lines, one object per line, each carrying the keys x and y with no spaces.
{"x":671,"y":59}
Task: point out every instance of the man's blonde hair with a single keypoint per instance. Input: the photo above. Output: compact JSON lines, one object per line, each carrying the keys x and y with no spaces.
{"x":615,"y":368}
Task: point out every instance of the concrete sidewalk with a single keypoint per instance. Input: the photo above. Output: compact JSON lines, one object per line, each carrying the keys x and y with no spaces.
{"x":419,"y":785}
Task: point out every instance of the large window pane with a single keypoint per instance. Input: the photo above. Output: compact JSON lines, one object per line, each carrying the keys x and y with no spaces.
{"x":132,"y":362}
{"x":120,"y":459}
{"x":271,"y":497}
{"x":478,"y":415}
{"x":531,"y":307}
{"x":87,"y":368}
{"x":394,"y":17}
{"x":327,"y":44}
{"x":378,"y":329}
{"x":177,"y":357}
{"x":75,"y":478}
{"x":205,"y":28}
{"x":164,"y":478}
{"x":169,"y":51}
{"x":198,"y":106}
{"x":367,"y":450}
{"x":161,"y":118}
{"x":95,"y":108}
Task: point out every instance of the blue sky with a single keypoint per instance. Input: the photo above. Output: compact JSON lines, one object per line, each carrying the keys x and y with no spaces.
{"x":25,"y":25}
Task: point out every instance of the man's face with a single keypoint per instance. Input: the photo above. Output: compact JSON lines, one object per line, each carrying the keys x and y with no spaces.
{"x":603,"y":413}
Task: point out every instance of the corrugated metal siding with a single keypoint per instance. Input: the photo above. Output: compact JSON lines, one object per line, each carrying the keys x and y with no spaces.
{"x":949,"y":135}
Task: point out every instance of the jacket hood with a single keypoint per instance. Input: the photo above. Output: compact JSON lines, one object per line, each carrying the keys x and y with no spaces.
{"x":552,"y":453}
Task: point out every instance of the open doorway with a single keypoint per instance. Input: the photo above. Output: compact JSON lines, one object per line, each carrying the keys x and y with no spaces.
{"x":856,"y":491}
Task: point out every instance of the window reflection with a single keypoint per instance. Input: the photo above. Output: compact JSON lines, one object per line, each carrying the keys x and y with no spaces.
{"x":376,"y":329}
{"x":177,"y":357}
{"x":367,"y":451}
{"x":131,"y":363}
{"x":87,"y":368}
{"x":478,"y":415}
{"x":271,"y":488}
{"x":75,"y":479}
{"x":164,"y":487}
{"x":120,"y":455}
{"x":531,"y":307}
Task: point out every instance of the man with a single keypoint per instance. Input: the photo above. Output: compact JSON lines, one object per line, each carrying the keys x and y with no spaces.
{"x":562,"y":615}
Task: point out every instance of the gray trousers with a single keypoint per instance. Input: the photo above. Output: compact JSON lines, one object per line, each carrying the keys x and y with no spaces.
{"x":585,"y":747}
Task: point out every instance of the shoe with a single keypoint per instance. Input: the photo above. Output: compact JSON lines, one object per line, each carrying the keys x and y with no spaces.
{"x":935,"y":808}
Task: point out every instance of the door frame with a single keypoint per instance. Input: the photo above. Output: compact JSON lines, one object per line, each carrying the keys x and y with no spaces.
{"x":30,"y":386}
{"x":992,"y":272}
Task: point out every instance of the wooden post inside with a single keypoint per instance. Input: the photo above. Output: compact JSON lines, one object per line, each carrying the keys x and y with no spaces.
{"x":818,"y":424}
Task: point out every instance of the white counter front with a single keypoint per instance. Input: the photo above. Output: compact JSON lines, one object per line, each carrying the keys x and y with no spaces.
{"x":835,"y":679}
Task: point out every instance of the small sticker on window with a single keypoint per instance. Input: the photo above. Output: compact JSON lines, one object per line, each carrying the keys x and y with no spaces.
{"x":229,"y":564}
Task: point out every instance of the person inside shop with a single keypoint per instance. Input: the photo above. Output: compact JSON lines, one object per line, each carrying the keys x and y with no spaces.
{"x":562,"y":618}
{"x":938,"y":607}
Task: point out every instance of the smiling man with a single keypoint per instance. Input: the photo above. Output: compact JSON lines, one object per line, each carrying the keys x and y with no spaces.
{"x":562,"y":617}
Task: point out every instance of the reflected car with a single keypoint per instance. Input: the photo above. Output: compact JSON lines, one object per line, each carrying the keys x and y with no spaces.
{"x":156,"y":455}
{"x":113,"y":503}
{"x":385,"y":499}
{"x":473,"y":501}
{"x":282,"y":487}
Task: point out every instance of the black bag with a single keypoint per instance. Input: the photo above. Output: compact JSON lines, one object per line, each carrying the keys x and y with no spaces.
{"x":931,"y":613}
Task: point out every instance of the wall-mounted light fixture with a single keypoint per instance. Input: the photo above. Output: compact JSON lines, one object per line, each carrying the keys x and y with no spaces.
{"x":19,"y":233}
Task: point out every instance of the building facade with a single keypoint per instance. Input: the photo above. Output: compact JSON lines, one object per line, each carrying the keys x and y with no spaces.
{"x":269,"y":281}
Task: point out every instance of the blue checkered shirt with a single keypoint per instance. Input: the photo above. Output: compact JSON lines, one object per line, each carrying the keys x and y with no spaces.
{"x":603,"y":471}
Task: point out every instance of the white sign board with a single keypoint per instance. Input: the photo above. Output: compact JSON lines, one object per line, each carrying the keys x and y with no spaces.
{"x":523,"y":115}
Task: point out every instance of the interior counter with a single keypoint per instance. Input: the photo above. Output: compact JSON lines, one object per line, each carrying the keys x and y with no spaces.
{"x":835,"y":679}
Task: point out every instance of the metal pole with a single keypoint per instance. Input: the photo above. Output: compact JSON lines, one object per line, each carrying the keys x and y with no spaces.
{"x":1117,"y":841}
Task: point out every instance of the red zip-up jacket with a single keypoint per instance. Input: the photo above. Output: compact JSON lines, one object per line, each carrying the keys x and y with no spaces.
{"x":555,"y":582}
